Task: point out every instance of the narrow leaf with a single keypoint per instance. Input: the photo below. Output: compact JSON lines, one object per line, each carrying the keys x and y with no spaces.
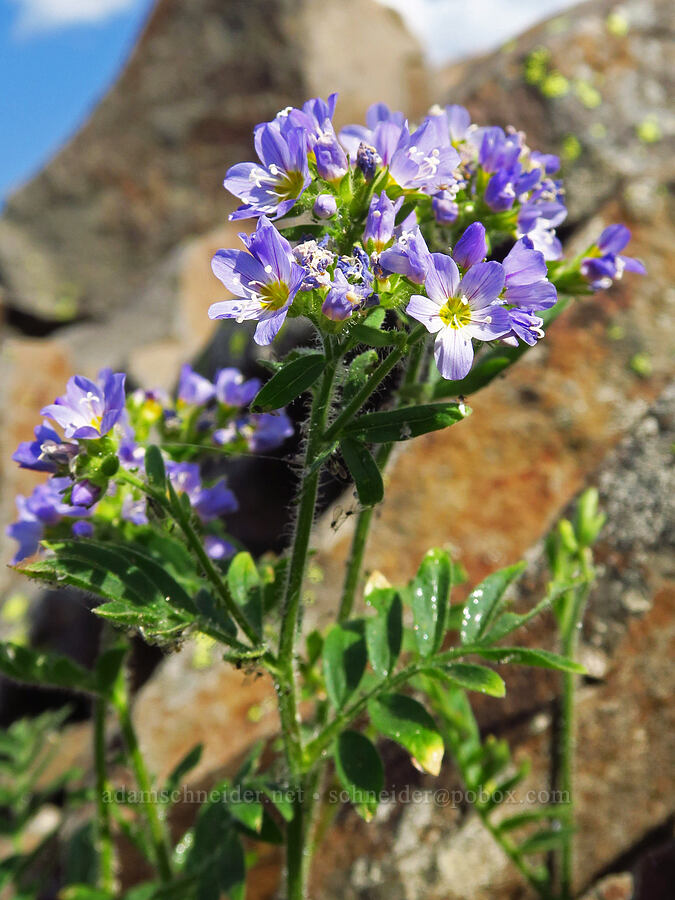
{"x":430,"y":592}
{"x":360,"y":771}
{"x":484,"y":602}
{"x":344,"y":661}
{"x":44,"y":669}
{"x":524,"y":656}
{"x":244,"y":584}
{"x":154,"y":468}
{"x":403,"y":424}
{"x":384,"y":630}
{"x":471,"y":677}
{"x":407,"y":722}
{"x":289,"y":382}
{"x":364,"y":471}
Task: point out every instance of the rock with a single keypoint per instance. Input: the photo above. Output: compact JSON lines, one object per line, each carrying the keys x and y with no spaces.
{"x":591,"y":84}
{"x":145,"y":172}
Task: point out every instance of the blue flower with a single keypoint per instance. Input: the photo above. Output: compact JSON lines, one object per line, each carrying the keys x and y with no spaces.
{"x":266,"y":279}
{"x":47,"y":453}
{"x":608,"y":266}
{"x":471,"y":248}
{"x":527,"y":290}
{"x":344,"y":297}
{"x":409,"y":256}
{"x":89,"y":409}
{"x":232,"y":389}
{"x":273,"y":187}
{"x":267,"y":431}
{"x":85,"y":494}
{"x":325,"y":206}
{"x":315,"y":258}
{"x":379,"y":229}
{"x":458,"y":310}
{"x":217,"y":547}
{"x":44,"y":507}
{"x":194,"y":388}
{"x":315,"y":118}
{"x":208,"y":502}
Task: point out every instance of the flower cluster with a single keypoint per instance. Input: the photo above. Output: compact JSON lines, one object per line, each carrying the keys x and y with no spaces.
{"x":406,"y":218}
{"x":94,"y":434}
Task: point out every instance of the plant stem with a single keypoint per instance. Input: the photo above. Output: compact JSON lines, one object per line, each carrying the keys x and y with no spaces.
{"x":156,"y":826}
{"x":358,"y":547}
{"x":576,"y":603}
{"x":540,"y":885}
{"x":106,"y":855}
{"x":380,"y":373}
{"x":360,"y":538}
{"x":296,"y":869}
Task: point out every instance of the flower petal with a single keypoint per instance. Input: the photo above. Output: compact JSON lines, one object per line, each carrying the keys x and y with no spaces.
{"x":482,"y":284}
{"x":442,"y":280}
{"x":425,"y":311}
{"x":269,"y":326}
{"x":453,"y":352}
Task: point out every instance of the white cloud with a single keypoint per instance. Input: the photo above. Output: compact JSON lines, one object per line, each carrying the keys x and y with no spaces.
{"x":47,"y":15}
{"x":452,"y":29}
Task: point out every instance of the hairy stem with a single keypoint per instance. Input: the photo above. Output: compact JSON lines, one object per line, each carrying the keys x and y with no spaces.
{"x":156,"y":825}
{"x":106,"y":855}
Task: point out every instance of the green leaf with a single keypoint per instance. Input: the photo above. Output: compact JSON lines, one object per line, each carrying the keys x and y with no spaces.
{"x":187,"y":764}
{"x":361,"y":333}
{"x":360,"y":771}
{"x":44,"y":669}
{"x":364,"y":471}
{"x":213,"y":620}
{"x":244,"y":584}
{"x":216,"y":856}
{"x":407,"y":722}
{"x":344,"y":661}
{"x":484,"y":602}
{"x":289,"y":382}
{"x":430,"y":592}
{"x":544,"y":840}
{"x":524,"y":656}
{"x":85,"y":892}
{"x":384,"y":630}
{"x":403,"y":424}
{"x":154,"y":468}
{"x":471,"y":677}
{"x":528,"y":818}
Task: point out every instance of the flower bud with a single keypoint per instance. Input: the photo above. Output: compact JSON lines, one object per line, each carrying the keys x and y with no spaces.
{"x":325,"y":206}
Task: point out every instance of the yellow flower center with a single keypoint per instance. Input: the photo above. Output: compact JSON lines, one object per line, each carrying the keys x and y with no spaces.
{"x":456,"y":312}
{"x":290,"y":186}
{"x":274,"y":295}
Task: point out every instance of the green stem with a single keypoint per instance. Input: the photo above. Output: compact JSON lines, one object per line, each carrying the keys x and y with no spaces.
{"x":540,"y":884}
{"x":576,"y":604}
{"x":195,"y":544}
{"x":296,"y":869}
{"x":380,"y":373}
{"x":365,"y":517}
{"x":286,"y":691}
{"x":106,"y":855}
{"x":156,"y":825}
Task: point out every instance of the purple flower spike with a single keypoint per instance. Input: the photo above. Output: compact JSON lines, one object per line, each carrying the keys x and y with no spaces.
{"x":344,"y":298}
{"x":209,"y":503}
{"x":409,"y":256}
{"x":272,"y":187}
{"x":44,"y":507}
{"x":266,"y":280}
{"x":445,"y":207}
{"x":194,"y":388}
{"x":269,"y":431}
{"x":89,"y":409}
{"x":457,"y":311}
{"x":471,"y":248}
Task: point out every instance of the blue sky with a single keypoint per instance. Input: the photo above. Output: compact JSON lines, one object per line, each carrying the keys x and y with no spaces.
{"x":58,"y":57}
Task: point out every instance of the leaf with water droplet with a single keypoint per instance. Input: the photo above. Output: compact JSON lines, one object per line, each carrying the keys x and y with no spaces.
{"x":429,"y":594}
{"x":384,"y":630}
{"x":485,"y":602}
{"x":360,"y":771}
{"x":407,"y":722}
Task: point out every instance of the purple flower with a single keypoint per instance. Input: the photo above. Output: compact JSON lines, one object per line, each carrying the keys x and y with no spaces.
{"x":273,"y":187}
{"x":134,"y":510}
{"x":457,"y":310}
{"x":419,"y":164}
{"x":232,"y":389}
{"x":344,"y":298}
{"x":315,"y":119}
{"x":459,"y":122}
{"x":266,"y":279}
{"x":194,"y":388}
{"x":208,"y":502}
{"x":354,"y":135}
{"x":47,"y":453}
{"x":379,"y":229}
{"x":409,"y":256}
{"x":85,"y":493}
{"x":82,"y":529}
{"x":445,"y":207}
{"x":500,"y":194}
{"x":268,"y":431}
{"x":609,"y":265}
{"x":471,"y":248}
{"x":325,"y":206}
{"x":44,"y":507}
{"x":217,"y":547}
{"x":527,"y":290}
{"x":497,"y":151}
{"x":315,"y":259}
{"x":89,"y":409}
